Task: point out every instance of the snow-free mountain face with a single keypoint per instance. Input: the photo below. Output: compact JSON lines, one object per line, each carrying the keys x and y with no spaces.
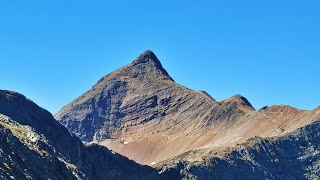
{"x":140,"y":112}
{"x":295,"y":155}
{"x":33,"y":145}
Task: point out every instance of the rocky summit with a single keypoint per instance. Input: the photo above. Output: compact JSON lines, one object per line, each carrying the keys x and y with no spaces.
{"x":139,"y":111}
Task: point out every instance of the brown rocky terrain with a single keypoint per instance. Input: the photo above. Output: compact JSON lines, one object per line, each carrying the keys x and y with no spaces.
{"x":295,"y":155}
{"x":141,"y":113}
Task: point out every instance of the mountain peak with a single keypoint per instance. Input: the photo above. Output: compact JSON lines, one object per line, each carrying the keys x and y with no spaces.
{"x":242,"y":101}
{"x":147,"y":66}
{"x":145,"y":57}
{"x":148,"y":57}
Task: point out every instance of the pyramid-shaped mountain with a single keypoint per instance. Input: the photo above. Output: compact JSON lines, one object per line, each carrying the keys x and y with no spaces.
{"x":140,"y":112}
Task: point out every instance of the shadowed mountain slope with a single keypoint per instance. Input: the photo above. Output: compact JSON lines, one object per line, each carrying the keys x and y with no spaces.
{"x":34,"y":145}
{"x":27,"y":154}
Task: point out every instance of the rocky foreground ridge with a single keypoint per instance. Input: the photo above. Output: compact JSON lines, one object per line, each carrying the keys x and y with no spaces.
{"x":35,"y":146}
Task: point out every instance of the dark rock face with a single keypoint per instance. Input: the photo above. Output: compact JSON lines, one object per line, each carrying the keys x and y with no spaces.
{"x":23,"y":159}
{"x":293,"y":156}
{"x":57,"y":150}
{"x":25,"y":112}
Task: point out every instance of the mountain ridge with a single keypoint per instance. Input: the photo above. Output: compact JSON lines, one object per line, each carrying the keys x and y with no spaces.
{"x":26,"y":153}
{"x":158,"y":119}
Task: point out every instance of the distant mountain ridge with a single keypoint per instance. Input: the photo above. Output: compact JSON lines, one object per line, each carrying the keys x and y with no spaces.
{"x":140,"y":112}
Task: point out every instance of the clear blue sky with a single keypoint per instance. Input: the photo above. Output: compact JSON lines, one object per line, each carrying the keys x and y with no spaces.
{"x":267,"y":51}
